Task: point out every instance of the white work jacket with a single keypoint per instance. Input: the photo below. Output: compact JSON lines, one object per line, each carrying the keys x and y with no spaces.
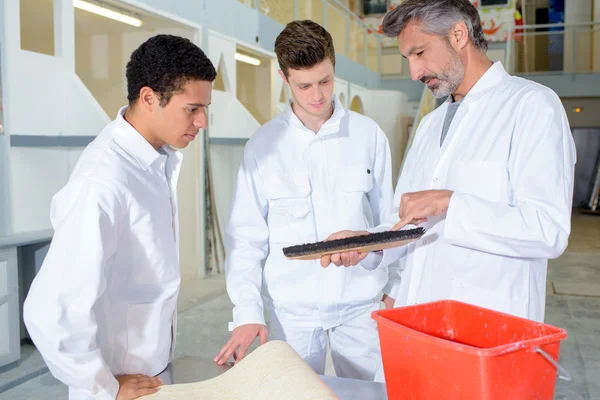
{"x":295,"y":187}
{"x":104,"y":301}
{"x":509,"y":158}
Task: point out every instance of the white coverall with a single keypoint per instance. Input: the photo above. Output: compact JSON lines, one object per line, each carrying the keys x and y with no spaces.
{"x":509,"y":158}
{"x":104,"y":301}
{"x":295,"y":187}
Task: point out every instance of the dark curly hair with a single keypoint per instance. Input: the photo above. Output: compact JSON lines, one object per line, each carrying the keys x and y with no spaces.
{"x":165,"y":63}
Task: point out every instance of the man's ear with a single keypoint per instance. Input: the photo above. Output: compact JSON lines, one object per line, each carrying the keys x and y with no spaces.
{"x":282,"y":75}
{"x":148,"y":98}
{"x":459,"y":36}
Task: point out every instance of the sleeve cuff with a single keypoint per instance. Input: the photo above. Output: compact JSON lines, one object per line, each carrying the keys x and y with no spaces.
{"x":393,"y":254}
{"x":452,"y":226}
{"x":391,"y":288}
{"x":108,"y":392}
{"x":372,"y":261}
{"x":377,"y":259}
{"x":113,"y":389}
{"x":247,"y":314}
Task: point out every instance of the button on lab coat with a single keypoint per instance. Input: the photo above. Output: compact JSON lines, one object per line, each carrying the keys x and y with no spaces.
{"x":509,"y":158}
{"x":294,"y":187}
{"x":104,"y":301}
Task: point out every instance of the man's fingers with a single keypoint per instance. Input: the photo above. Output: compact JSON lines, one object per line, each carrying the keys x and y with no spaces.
{"x":143,"y":379}
{"x":409,"y":219}
{"x":345,"y":257}
{"x":355,"y":258}
{"x":149,"y":383}
{"x":242,"y":351}
{"x":350,"y":258}
{"x":146,"y":392}
{"x":262,"y":333}
{"x":239,"y":356}
{"x":226,"y":357}
{"x":403,"y":222}
{"x":336,"y":259}
{"x":399,"y":225}
{"x":134,"y":378}
{"x":223,"y":350}
{"x":228,"y":353}
{"x":325,"y":261}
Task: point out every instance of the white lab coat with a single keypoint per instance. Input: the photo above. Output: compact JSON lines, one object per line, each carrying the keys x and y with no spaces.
{"x":294,"y":187}
{"x":104,"y":301}
{"x":509,"y":158}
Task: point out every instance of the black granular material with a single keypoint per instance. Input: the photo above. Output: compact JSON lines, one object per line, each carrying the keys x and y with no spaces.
{"x":352,"y":242}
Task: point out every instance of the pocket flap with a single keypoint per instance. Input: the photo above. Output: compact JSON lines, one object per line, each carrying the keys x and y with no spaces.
{"x":277,"y":189}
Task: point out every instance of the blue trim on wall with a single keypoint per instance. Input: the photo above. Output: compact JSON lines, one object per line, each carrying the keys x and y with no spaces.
{"x":412,"y":89}
{"x":26,"y":238}
{"x":354,"y":72}
{"x":569,"y":85}
{"x":50,"y":141}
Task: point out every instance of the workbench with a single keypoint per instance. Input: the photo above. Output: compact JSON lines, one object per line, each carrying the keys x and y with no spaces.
{"x":21,"y":256}
{"x":188,"y":369}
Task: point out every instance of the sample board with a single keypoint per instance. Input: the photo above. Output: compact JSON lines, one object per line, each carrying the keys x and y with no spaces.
{"x":272,"y":371}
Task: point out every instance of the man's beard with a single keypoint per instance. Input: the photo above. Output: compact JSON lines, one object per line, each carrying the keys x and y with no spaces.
{"x":448,"y":80}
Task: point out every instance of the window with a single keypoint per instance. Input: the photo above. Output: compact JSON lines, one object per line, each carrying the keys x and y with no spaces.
{"x":37,"y":26}
{"x":375,"y":6}
{"x":494,"y":3}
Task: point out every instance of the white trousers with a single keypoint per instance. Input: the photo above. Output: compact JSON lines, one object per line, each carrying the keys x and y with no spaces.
{"x":354,"y":345}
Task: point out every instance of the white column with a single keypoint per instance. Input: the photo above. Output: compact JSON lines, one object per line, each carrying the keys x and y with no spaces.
{"x":578,"y":41}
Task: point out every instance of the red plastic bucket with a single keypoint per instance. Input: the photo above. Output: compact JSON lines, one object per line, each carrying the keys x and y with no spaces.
{"x":452,"y":350}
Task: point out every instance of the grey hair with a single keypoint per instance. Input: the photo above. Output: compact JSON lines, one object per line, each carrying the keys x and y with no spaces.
{"x":437,"y":17}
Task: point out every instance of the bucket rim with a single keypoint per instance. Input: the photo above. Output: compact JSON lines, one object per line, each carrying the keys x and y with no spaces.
{"x":380,"y":317}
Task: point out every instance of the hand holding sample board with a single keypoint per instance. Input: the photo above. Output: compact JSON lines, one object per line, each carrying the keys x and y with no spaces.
{"x":361,"y":243}
{"x":272,"y":371}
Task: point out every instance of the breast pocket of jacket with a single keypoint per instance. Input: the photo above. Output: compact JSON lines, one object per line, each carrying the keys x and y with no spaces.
{"x":355,"y":181}
{"x":290,"y":216}
{"x":487,"y":180}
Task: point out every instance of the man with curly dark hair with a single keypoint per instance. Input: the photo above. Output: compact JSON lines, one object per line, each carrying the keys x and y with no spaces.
{"x":102,"y":309}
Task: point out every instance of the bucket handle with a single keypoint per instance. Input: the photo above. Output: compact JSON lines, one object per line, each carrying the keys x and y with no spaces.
{"x":566,"y":376}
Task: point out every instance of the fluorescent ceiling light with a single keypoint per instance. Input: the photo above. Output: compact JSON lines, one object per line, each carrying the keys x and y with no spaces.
{"x":247,"y":59}
{"x":105,"y":12}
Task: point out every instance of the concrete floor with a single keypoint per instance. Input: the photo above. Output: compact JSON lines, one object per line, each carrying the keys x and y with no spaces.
{"x":573,"y":303}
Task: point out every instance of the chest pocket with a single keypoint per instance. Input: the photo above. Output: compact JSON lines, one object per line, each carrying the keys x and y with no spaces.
{"x":487,"y":180}
{"x":290,"y":216}
{"x":353,"y":210}
{"x":356,"y":178}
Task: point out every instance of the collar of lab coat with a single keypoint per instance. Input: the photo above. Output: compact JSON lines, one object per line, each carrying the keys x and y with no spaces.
{"x":136,"y":145}
{"x":332,"y":125}
{"x":491,"y":78}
